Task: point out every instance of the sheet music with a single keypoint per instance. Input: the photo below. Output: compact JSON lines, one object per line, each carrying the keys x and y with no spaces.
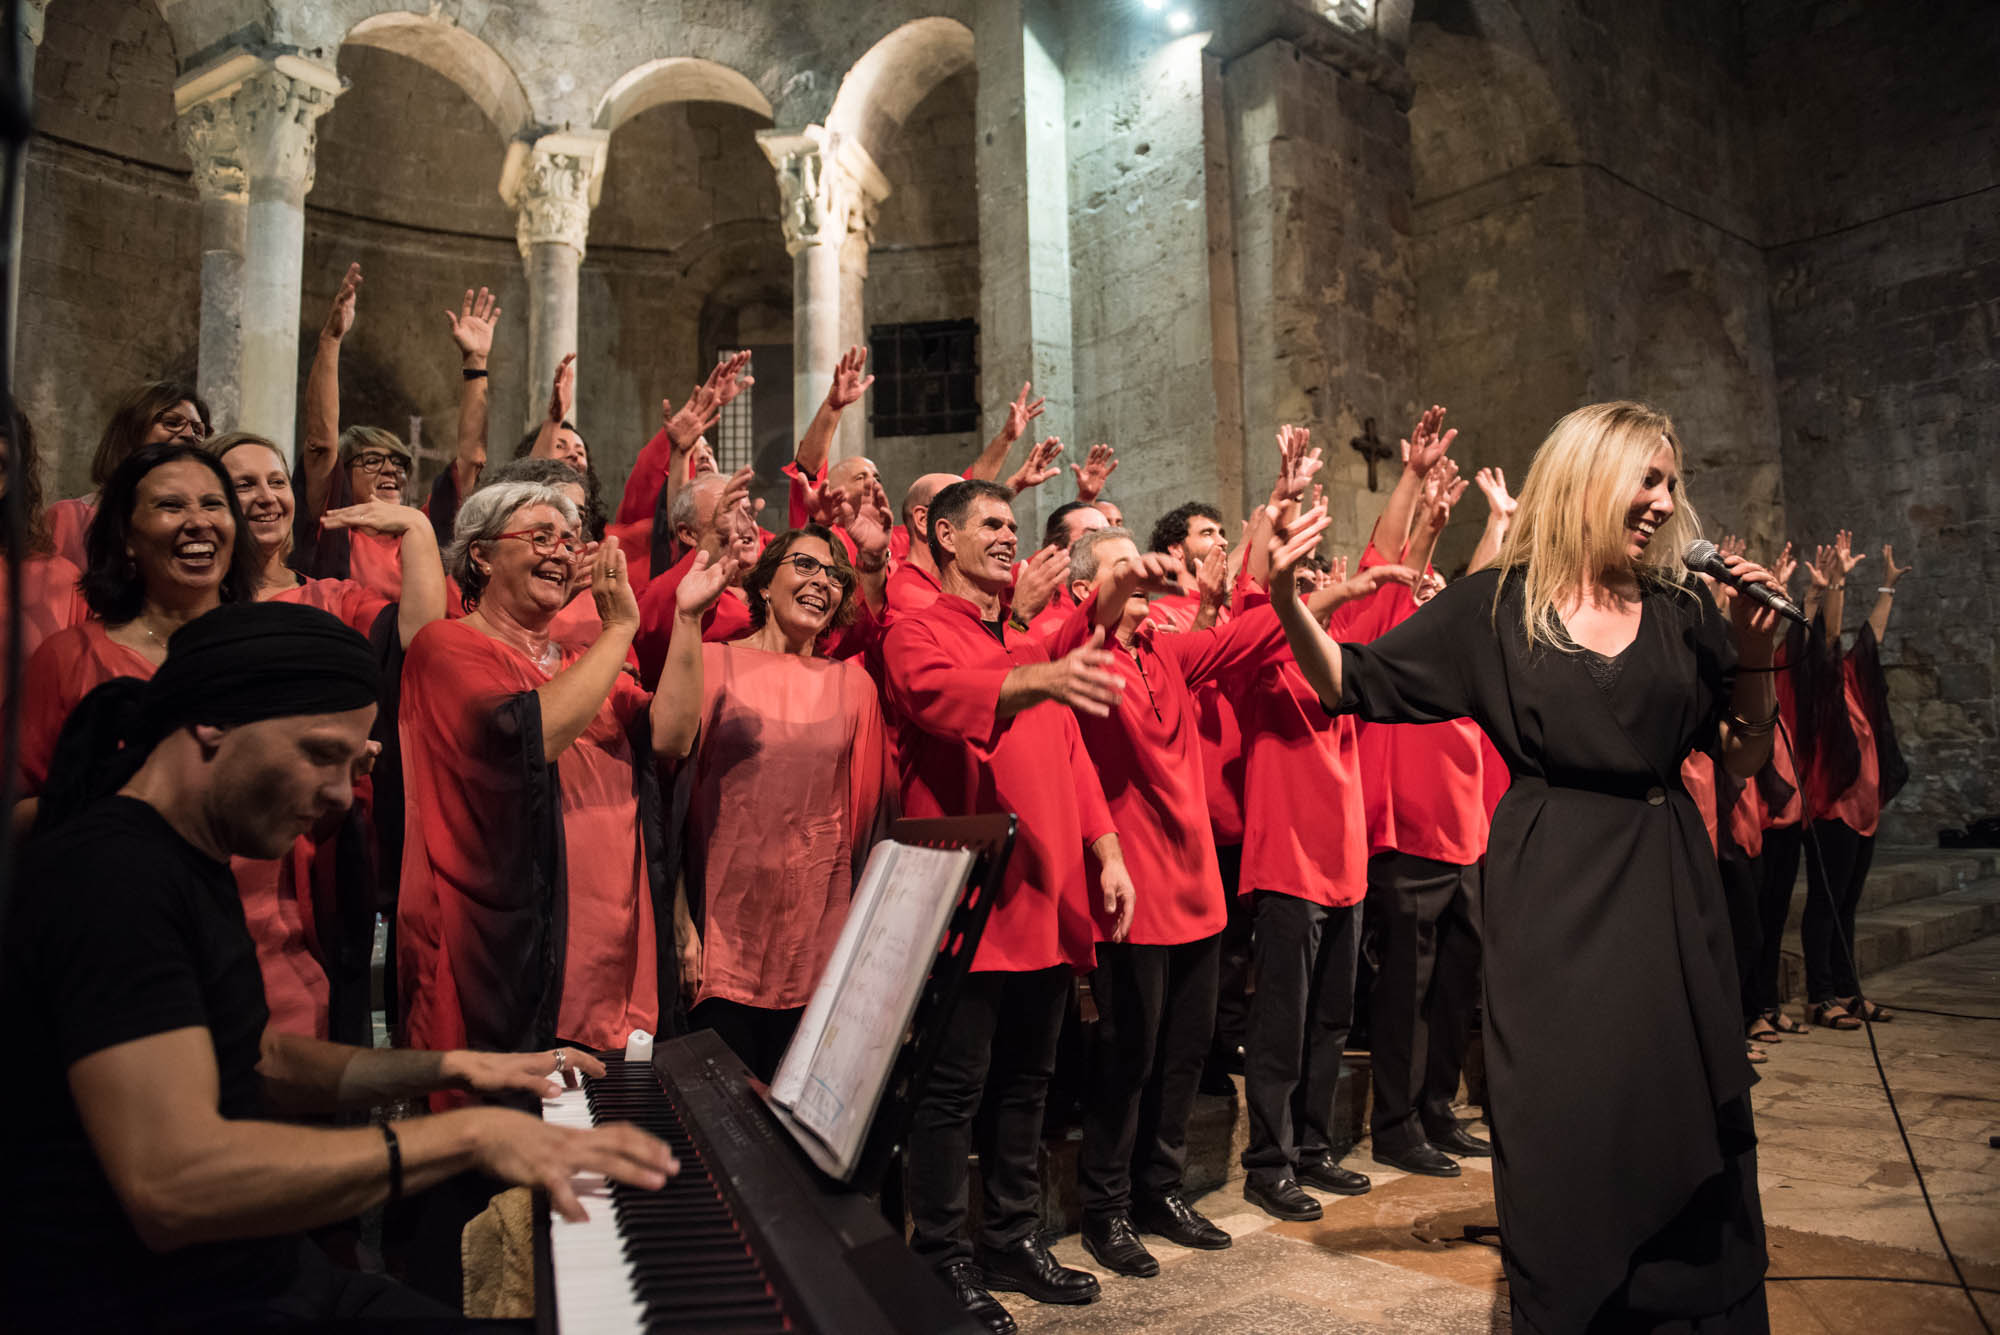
{"x":838,"y":1063}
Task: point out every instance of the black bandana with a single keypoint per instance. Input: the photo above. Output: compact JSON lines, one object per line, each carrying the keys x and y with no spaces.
{"x":245,"y":662}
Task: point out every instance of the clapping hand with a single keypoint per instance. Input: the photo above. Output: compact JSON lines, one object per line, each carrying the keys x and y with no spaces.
{"x":472,"y":326}
{"x":1041,"y":575}
{"x":703,"y":584}
{"x":1094,"y":472}
{"x":1039,"y":468}
{"x":340,"y":319}
{"x":611,"y":587}
{"x":1211,"y":578}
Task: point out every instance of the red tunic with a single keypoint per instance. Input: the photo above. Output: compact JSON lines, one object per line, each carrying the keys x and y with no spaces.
{"x":375,"y":561}
{"x":1423,"y":784}
{"x":1746,"y":819}
{"x":1698,"y":774}
{"x":644,"y":483}
{"x":729,"y":619}
{"x":1305,"y":830}
{"x":788,"y":781}
{"x":465,"y":807}
{"x":69,"y":525}
{"x":1860,"y":807}
{"x":1221,"y":730}
{"x":945,"y":668}
{"x":1148,"y":757}
{"x":70,"y":664}
{"x":49,"y":603}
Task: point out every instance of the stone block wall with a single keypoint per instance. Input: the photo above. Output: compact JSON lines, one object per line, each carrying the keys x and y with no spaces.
{"x":1877,"y":131}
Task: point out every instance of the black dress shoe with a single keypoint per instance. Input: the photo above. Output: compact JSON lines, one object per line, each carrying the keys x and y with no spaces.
{"x":1323,"y":1172}
{"x":1172,"y":1218}
{"x":1419,"y":1159}
{"x":1027,"y":1267}
{"x":1281,"y":1199}
{"x":963,"y":1278}
{"x":1117,"y":1248}
{"x":1463,"y":1143}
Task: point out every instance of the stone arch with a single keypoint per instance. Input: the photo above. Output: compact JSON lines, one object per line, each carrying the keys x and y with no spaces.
{"x":476,"y":68}
{"x":894,"y":75}
{"x":676,"y":79}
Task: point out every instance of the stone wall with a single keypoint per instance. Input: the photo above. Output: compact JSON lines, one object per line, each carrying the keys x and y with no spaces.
{"x":1877,"y":131}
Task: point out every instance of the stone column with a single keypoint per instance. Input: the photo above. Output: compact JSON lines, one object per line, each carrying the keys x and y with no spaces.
{"x":273,"y":104}
{"x":208,"y":133}
{"x":830,"y":189}
{"x":33,"y":16}
{"x":552,"y":184}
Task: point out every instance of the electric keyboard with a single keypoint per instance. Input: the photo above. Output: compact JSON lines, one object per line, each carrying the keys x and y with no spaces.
{"x":747,"y":1237}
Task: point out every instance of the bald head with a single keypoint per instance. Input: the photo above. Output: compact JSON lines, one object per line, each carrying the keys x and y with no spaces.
{"x":853,"y":478}
{"x":917,"y":500}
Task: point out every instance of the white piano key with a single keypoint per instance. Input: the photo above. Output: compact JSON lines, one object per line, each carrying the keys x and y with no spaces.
{"x":595,"y":1289}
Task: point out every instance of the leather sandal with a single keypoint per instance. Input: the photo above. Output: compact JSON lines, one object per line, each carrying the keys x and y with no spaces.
{"x":1833,"y":1015}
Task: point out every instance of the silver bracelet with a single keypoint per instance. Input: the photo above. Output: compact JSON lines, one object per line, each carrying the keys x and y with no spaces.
{"x":1887,"y":588}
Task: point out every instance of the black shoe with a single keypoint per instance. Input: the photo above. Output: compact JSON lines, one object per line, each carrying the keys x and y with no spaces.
{"x":1281,"y":1199}
{"x":1117,"y":1248}
{"x":963,"y":1279}
{"x":1215,"y":1080}
{"x":1324,"y":1172}
{"x":1463,"y":1143}
{"x":1027,"y":1267}
{"x":1424,"y":1159}
{"x":1172,"y":1218}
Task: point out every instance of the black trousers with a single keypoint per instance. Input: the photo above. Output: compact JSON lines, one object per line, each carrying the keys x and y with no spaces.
{"x":1232,"y":987}
{"x":1776,"y":870}
{"x":986,"y":1091}
{"x":1837,"y":861}
{"x":1740,"y":897}
{"x":1426,"y":984}
{"x":1299,"y":1018}
{"x":758,"y":1035}
{"x":1155,"y":1011}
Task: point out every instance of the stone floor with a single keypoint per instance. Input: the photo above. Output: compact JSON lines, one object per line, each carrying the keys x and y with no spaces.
{"x":1839,"y":1200}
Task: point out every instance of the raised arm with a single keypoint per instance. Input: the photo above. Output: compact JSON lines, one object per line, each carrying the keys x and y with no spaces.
{"x":1038,"y":467}
{"x":1500,"y":508}
{"x":321,"y":451}
{"x":1149,"y":572}
{"x":1086,"y":680}
{"x":869,"y":527}
{"x":1095,"y":470}
{"x":1420,"y":453}
{"x":1298,"y":463}
{"x":847,"y":388}
{"x":472,"y":331}
{"x":1885,"y":596}
{"x":676,"y":708}
{"x":571,"y":698}
{"x":1313,"y":649}
{"x":422,"y":599}
{"x":1441,"y":491}
{"x":1019,"y":413}
{"x":1747,"y":728}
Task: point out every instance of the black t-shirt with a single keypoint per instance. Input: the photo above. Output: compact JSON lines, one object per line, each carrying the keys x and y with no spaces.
{"x":119,"y":930}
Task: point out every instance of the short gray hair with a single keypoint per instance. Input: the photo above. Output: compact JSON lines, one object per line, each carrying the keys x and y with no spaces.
{"x":484,"y":516}
{"x":1083,"y":552}
{"x":680,"y":513}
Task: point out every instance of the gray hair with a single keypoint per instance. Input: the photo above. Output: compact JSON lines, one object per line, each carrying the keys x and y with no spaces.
{"x":484,"y":516}
{"x":680,"y":514}
{"x":1083,"y":552}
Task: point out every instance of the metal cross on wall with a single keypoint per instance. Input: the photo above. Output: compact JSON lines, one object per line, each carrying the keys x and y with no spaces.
{"x":1370,"y":447}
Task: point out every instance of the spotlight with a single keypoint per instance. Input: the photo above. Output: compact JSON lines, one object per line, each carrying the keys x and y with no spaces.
{"x":1180,"y":20}
{"x":1154,"y":5}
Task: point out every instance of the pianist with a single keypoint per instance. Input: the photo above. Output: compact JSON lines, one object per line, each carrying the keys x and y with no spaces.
{"x":149,"y":1191}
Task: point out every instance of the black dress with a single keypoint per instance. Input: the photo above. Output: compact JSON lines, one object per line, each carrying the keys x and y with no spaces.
{"x":1625,"y":1170}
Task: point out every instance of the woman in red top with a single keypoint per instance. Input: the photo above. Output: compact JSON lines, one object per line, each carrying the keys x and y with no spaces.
{"x":163,"y":550}
{"x":535,"y":892}
{"x":312,"y":912}
{"x":788,"y":779}
{"x":154,"y":413}
{"x":50,"y":599}
{"x":1843,"y":803}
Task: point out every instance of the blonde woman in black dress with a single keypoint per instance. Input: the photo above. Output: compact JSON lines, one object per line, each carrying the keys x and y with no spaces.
{"x":1626,"y":1163}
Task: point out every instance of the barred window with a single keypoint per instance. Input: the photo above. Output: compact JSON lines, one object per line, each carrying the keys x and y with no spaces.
{"x":926,"y":377}
{"x":735,"y":435}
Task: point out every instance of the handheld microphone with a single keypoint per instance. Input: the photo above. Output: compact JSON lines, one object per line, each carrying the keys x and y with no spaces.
{"x":1702,"y":557}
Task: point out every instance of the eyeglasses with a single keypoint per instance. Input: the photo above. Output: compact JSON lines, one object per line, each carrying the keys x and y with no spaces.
{"x":178,"y":425}
{"x":544,"y":542}
{"x":381,"y":463}
{"x":808,"y":566}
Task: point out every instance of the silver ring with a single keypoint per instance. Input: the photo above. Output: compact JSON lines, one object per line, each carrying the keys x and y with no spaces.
{"x":561,"y":1056}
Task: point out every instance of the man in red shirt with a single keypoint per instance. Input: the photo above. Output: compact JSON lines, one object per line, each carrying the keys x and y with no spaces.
{"x":984,"y":724}
{"x":1155,"y":992}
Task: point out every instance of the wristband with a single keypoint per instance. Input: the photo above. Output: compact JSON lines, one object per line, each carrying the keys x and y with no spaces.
{"x":1887,"y":588}
{"x":1017,"y":623}
{"x":395,"y":1162}
{"x":472,"y":373}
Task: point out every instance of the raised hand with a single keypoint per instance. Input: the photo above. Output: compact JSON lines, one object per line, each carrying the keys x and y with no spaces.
{"x":1365,"y":582}
{"x":1425,"y":446}
{"x":1442,"y":489}
{"x":848,"y":383}
{"x":472,"y":325}
{"x":1843,"y":546}
{"x":704,"y":406}
{"x":1298,"y":461}
{"x":1493,"y":483}
{"x":869,"y":524}
{"x":340,"y":318}
{"x":611,"y":587}
{"x":1731,"y":545}
{"x":1825,"y":559}
{"x":820,"y":502}
{"x":1086,"y":679}
{"x":376,"y":516}
{"x":1094,"y":472}
{"x":1784,"y":567}
{"x":1891,"y":572}
{"x":1149,"y":572}
{"x":1293,"y":541}
{"x":703,"y":584}
{"x":1041,"y":575}
{"x":1021,"y":412}
{"x":562,"y":397}
{"x":1039,"y":467}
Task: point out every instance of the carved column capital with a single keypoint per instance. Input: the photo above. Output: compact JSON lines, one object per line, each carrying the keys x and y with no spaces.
{"x":829,"y":187}
{"x":34,"y":20}
{"x":249,"y":117}
{"x":552,"y":185}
